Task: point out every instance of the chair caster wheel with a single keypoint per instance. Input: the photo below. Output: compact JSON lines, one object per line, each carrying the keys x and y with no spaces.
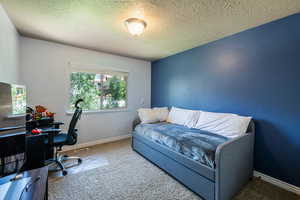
{"x":64,"y":172}
{"x":79,"y":161}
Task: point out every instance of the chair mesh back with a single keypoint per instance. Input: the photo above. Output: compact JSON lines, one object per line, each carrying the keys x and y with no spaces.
{"x":72,"y":135}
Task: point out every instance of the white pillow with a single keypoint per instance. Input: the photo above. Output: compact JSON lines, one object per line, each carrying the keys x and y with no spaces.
{"x":147,"y":115}
{"x":226,"y":124}
{"x":161,"y":113}
{"x":183,"y":116}
{"x":192,"y":118}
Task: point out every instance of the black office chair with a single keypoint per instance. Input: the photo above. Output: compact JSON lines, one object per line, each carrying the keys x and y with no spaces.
{"x":58,"y":140}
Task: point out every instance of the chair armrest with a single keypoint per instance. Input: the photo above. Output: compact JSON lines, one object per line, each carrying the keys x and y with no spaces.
{"x":234,"y":165}
{"x":57,"y":124}
{"x":51,"y":130}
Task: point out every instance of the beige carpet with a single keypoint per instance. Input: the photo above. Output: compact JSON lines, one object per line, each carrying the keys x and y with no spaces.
{"x":129,"y":176}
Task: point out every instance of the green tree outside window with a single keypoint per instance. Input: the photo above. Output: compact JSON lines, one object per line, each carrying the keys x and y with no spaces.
{"x":99,"y":91}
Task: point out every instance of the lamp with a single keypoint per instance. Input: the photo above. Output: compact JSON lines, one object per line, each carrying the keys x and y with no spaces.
{"x":135,"y":26}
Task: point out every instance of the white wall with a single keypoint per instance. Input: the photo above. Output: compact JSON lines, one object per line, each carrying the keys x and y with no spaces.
{"x":9,"y":49}
{"x":45,"y":72}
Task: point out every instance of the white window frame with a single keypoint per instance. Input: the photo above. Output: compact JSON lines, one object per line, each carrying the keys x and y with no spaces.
{"x":97,"y":69}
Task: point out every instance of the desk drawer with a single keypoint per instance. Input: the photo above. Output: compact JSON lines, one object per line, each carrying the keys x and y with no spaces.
{"x":36,"y":189}
{"x":35,"y":151}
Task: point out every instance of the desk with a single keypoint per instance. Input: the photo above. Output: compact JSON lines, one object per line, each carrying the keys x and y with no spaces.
{"x":42,"y":123}
{"x":35,"y":189}
{"x":12,"y":148}
{"x":34,"y":147}
{"x":37,"y":152}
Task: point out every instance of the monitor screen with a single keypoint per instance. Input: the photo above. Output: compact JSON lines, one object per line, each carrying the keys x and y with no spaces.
{"x":18,"y":95}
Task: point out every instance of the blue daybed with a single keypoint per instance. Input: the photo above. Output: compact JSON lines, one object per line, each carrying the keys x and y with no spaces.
{"x":212,"y":166}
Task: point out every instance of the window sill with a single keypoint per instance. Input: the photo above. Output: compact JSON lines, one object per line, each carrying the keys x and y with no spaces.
{"x":99,"y":111}
{"x":15,"y":116}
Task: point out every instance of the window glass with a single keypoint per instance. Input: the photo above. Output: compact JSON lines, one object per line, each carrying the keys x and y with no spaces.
{"x":99,"y":91}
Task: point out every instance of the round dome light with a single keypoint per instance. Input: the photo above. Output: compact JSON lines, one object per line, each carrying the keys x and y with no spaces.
{"x":135,"y":26}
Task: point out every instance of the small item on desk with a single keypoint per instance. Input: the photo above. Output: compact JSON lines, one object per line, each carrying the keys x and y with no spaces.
{"x":38,"y":113}
{"x":36,"y":131}
{"x":40,"y":109}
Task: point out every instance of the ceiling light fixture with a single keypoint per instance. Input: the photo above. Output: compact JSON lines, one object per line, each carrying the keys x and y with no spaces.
{"x":135,"y":26}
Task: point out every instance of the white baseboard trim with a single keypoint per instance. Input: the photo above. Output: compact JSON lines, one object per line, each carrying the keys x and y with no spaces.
{"x":93,"y":143}
{"x":279,"y":183}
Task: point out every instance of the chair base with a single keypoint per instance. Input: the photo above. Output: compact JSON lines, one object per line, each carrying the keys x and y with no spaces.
{"x":60,"y":159}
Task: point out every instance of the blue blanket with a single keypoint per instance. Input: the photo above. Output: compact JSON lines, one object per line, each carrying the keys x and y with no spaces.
{"x":194,"y":143}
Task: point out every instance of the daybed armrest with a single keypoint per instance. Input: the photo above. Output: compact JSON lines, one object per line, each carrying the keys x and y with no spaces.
{"x":234,"y":165}
{"x":136,"y":122}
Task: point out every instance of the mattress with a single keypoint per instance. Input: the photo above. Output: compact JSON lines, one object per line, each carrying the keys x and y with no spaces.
{"x":196,"y":144}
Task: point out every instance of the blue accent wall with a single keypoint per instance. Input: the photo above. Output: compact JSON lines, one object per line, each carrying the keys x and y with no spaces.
{"x":256,"y":73}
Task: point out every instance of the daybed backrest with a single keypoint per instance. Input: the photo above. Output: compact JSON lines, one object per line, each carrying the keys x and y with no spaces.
{"x":250,"y":129}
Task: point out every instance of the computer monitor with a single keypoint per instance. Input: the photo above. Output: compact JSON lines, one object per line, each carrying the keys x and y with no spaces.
{"x":12,"y":106}
{"x":12,"y":127}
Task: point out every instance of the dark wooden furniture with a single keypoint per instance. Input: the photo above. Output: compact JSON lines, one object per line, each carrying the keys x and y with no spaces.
{"x":25,"y":150}
{"x":41,"y":123}
{"x":36,"y":151}
{"x":12,"y":152}
{"x":35,"y":189}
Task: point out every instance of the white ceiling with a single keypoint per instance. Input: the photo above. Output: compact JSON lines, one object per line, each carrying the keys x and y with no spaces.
{"x":173,"y":25}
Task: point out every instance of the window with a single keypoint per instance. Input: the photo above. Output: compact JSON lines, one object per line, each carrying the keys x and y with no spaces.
{"x":100,"y":91}
{"x":18,"y":95}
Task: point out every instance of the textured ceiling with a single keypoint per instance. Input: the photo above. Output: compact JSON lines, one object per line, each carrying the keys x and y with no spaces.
{"x":173,"y":25}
